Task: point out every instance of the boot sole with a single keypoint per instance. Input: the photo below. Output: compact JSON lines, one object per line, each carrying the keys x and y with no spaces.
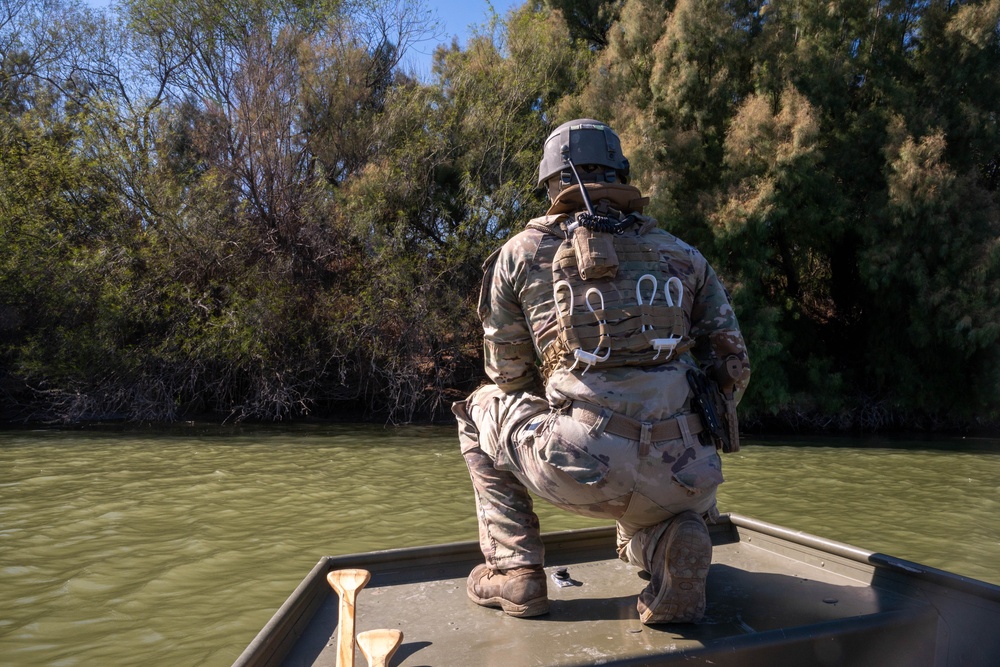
{"x":535,"y":607}
{"x":681,"y":598}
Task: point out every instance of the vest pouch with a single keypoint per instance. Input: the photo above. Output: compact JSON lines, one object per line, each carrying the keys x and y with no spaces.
{"x":595,"y":254}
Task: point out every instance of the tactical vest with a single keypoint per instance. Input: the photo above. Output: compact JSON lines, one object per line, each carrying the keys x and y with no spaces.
{"x":615,"y":300}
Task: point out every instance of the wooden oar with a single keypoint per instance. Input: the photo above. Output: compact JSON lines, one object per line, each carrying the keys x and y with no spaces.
{"x":347,"y":583}
{"x":379,"y":645}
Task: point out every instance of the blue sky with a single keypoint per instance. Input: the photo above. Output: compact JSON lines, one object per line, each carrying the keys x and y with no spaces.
{"x":456,"y":17}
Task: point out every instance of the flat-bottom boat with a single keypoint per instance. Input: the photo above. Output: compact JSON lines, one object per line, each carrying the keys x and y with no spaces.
{"x":775,"y":597}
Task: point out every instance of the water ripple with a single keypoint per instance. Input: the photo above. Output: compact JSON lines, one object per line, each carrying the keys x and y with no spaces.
{"x":175,"y":548}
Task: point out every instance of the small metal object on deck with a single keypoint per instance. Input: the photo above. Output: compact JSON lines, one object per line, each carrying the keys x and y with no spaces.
{"x":562,"y":579}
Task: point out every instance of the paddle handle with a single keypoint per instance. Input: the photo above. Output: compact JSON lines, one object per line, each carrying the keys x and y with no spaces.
{"x":345,"y":636}
{"x":346,"y":583}
{"x":378,"y":646}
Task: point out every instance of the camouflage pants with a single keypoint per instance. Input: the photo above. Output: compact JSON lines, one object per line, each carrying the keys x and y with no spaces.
{"x":514,"y":443}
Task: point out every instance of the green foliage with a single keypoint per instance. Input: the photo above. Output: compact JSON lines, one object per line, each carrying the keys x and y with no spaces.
{"x":837,"y":162}
{"x":587,"y":20}
{"x":252,"y":210}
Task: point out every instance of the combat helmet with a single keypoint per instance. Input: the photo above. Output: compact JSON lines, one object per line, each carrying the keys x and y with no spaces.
{"x":585,"y":142}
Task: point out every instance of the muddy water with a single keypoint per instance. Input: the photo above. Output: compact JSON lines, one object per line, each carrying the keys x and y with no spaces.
{"x":175,"y":547}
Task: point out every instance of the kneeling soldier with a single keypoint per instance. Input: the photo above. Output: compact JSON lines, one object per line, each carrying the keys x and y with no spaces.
{"x":594,"y":318}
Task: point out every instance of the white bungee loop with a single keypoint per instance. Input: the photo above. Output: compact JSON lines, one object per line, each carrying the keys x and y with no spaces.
{"x":588,"y":358}
{"x":668,"y":345}
{"x":591,"y":358}
{"x":652,"y":296}
{"x":555,"y":295}
{"x":674,"y":281}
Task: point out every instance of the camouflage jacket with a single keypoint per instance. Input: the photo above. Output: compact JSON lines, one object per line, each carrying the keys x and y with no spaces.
{"x":517,"y":308}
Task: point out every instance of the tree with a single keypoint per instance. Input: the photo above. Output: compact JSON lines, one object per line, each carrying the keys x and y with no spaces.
{"x":457,"y":178}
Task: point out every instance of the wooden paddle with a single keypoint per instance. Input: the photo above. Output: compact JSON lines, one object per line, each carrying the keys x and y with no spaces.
{"x":347,"y":583}
{"x":379,"y":645}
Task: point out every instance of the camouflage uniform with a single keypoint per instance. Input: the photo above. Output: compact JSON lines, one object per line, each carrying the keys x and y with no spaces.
{"x":557,"y":431}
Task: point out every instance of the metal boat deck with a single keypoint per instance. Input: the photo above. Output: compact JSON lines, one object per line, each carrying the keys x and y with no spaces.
{"x":775,"y":597}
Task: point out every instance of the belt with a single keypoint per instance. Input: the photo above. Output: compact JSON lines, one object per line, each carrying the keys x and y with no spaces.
{"x":633,"y":429}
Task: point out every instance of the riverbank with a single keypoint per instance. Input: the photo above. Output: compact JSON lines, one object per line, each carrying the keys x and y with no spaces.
{"x":864,"y":420}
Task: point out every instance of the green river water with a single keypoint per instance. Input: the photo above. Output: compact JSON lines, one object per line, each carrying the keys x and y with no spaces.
{"x":175,"y":547}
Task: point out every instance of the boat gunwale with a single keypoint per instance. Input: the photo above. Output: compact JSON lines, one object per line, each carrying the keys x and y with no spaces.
{"x":876,"y":560}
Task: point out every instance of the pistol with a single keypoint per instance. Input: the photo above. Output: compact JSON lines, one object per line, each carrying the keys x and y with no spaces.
{"x":704,"y":403}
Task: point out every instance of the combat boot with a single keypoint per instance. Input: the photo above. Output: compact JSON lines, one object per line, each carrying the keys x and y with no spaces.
{"x":678,"y":570}
{"x":520,"y":591}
